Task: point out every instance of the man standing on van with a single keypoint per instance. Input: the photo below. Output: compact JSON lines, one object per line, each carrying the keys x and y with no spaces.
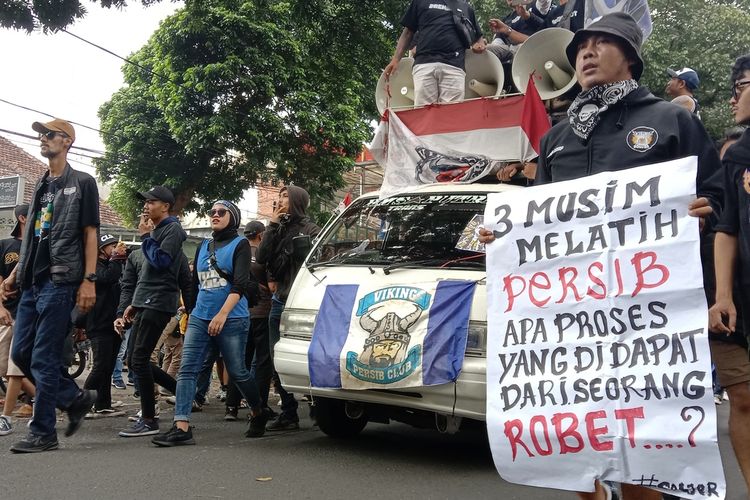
{"x":56,"y":271}
{"x":276,"y":252}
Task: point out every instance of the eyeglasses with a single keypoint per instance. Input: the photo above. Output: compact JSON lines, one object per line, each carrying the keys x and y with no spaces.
{"x":219,"y":212}
{"x":738,"y":87}
{"x":51,"y":134}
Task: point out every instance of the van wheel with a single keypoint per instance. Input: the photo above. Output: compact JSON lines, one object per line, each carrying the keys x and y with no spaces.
{"x":331,"y":417}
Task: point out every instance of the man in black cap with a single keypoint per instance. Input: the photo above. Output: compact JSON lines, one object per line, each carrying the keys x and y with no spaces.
{"x":105,"y":341}
{"x":615,"y":124}
{"x":55,"y":271}
{"x":9,"y":251}
{"x":155,"y":300}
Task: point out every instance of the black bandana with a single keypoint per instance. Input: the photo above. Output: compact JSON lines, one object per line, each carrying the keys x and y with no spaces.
{"x":587,"y":107}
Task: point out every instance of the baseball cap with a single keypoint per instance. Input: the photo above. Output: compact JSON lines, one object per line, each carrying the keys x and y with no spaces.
{"x":106,"y":239}
{"x":56,"y":125}
{"x":254,"y":228}
{"x":618,"y":24}
{"x":688,"y":75}
{"x":160,"y":193}
{"x":19,"y":211}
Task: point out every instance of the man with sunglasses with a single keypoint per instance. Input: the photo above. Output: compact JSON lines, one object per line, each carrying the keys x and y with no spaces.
{"x":732,"y":243}
{"x":56,"y":271}
{"x":155,"y":300}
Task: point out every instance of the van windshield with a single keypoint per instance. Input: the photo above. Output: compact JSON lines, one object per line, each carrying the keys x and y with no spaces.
{"x":433,"y":230}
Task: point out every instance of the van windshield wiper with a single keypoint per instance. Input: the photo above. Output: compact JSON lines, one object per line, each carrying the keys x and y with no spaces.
{"x":410,"y":263}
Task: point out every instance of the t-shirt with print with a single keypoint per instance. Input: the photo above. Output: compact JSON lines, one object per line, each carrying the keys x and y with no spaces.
{"x":43,"y":217}
{"x":439,"y":41}
{"x":10,"y":249}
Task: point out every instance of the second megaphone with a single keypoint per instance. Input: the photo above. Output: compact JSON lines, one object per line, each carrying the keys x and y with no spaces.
{"x":543,"y":54}
{"x":398,"y":91}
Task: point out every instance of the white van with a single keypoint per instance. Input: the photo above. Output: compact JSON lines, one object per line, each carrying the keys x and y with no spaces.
{"x":404,"y":239}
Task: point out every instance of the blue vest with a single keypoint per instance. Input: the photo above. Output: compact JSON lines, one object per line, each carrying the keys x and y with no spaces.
{"x":213,"y":290}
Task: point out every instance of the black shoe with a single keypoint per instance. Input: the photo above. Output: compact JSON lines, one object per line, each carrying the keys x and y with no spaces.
{"x":174,"y":437}
{"x":257,"y":426}
{"x":78,"y":410}
{"x":283,"y":423}
{"x":231,"y":414}
{"x":35,"y":444}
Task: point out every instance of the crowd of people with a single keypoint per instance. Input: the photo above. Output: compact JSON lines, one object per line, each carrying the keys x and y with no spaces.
{"x":168,"y":318}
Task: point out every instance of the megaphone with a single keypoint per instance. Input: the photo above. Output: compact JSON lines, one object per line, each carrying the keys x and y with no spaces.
{"x":401,"y":86}
{"x":484,"y":75}
{"x":543,"y":54}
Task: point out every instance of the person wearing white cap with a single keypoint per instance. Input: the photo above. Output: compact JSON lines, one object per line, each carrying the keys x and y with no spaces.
{"x":681,"y":85}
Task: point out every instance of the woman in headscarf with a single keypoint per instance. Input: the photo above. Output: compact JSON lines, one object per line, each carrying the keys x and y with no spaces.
{"x":220,"y":316}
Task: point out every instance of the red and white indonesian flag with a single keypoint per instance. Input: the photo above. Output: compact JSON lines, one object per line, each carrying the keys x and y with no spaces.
{"x":459,"y":142}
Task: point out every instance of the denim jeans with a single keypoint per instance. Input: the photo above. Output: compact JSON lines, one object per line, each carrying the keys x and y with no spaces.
{"x":42,"y":324}
{"x":231,"y":342}
{"x":204,"y":376}
{"x":257,"y":360}
{"x":288,"y":403}
{"x":117,"y":371}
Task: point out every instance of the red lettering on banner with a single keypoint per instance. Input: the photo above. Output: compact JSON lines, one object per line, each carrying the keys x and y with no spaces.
{"x":629,"y":415}
{"x":513,"y":431}
{"x":533,"y":283}
{"x":597,"y":281}
{"x":568,"y":283}
{"x":640,"y":272}
{"x":535,"y":421}
{"x":570,"y":432}
{"x":508,"y":288}
{"x":593,"y":432}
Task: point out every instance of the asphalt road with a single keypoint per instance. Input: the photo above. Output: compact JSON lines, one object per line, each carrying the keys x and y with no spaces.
{"x":385,"y":462}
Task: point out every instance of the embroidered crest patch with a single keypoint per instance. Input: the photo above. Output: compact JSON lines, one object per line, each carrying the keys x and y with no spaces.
{"x":641,"y":139}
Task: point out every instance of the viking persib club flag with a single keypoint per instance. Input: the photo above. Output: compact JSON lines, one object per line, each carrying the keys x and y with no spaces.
{"x":460,"y":142}
{"x":388,"y":337}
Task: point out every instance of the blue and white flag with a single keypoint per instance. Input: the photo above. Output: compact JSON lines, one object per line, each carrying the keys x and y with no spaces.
{"x":396,"y":336}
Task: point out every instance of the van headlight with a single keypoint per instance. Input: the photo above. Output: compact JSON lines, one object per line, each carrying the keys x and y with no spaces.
{"x":476,"y":343}
{"x":297,"y":323}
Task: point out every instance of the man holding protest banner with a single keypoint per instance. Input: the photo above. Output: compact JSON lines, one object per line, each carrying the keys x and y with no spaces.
{"x":614,"y":125}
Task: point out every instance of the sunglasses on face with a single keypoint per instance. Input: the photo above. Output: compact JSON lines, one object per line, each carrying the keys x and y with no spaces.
{"x":738,"y":87}
{"x":218,"y":212}
{"x":51,"y":134}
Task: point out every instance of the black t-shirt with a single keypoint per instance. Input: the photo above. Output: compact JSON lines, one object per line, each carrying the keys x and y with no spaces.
{"x":438,"y":36}
{"x":43,"y":217}
{"x":556,"y":16}
{"x":9,"y":251}
{"x":528,"y":27}
{"x":735,"y":217}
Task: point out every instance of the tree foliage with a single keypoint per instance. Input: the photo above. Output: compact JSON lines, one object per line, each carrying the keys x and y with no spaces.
{"x":228,"y":93}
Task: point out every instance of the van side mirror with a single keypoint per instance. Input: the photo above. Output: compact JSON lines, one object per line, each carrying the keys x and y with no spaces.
{"x":301,"y":246}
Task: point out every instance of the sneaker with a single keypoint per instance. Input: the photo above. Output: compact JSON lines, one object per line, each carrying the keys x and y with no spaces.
{"x":119,"y":384}
{"x":137,"y":395}
{"x":172,"y":400}
{"x":164,"y":392}
{"x":222,"y":394}
{"x":35,"y":444}
{"x":283,"y":423}
{"x":174,"y":437}
{"x":243,"y":404}
{"x":717,"y":399}
{"x":231,"y":414}
{"x":6,"y":427}
{"x":80,"y":407}
{"x":141,"y":428}
{"x":116,"y":404}
{"x":25,"y":411}
{"x":257,"y":425}
{"x":129,"y":382}
{"x":197,"y":406}
{"x":139,"y":414}
{"x":108,"y":412}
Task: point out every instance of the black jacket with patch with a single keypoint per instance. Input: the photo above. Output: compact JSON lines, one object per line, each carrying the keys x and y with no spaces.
{"x":638,"y":130}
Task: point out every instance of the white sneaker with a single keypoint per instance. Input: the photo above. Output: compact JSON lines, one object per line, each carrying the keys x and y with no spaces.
{"x":138,"y":415}
{"x":5,"y":425}
{"x":116,"y":404}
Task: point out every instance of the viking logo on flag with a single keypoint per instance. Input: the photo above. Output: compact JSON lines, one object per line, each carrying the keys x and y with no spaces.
{"x":394,"y":336}
{"x":460,"y":142}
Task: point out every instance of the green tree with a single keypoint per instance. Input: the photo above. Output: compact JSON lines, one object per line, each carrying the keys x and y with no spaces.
{"x":229,"y":93}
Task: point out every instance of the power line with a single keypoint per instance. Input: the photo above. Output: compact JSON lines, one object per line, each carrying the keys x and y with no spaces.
{"x":32,"y":137}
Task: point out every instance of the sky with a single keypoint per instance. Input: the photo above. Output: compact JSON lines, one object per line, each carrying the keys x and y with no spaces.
{"x":65,"y":77}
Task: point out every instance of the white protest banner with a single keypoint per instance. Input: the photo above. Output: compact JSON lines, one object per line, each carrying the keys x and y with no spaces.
{"x":598,"y":363}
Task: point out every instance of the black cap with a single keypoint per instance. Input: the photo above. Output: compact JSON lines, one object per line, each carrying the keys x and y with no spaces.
{"x":618,"y":24}
{"x":254,"y":228}
{"x":19,"y":211}
{"x":106,"y":239}
{"x":160,"y":193}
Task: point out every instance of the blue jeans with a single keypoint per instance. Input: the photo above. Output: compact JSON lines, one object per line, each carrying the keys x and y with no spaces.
{"x":204,"y":376}
{"x":231,"y":343}
{"x":288,"y":403}
{"x":117,"y":372}
{"x":42,"y":324}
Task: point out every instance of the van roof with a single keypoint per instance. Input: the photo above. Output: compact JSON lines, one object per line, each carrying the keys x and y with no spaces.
{"x":453,"y":188}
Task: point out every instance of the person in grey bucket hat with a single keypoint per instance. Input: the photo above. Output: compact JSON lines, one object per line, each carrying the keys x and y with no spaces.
{"x":615,"y":124}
